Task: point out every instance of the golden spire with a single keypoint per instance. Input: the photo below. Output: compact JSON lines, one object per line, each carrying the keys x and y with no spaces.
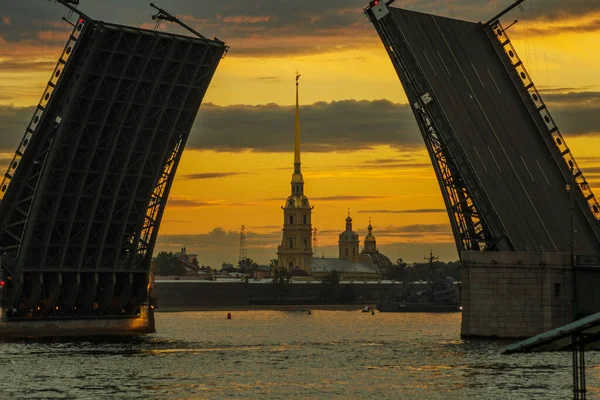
{"x":297,"y":148}
{"x":297,"y":179}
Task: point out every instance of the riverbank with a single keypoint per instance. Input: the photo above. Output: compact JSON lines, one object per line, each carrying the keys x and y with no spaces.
{"x":275,"y":307}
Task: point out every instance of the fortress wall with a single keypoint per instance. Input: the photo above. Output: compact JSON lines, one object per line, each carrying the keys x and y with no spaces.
{"x":195,"y":293}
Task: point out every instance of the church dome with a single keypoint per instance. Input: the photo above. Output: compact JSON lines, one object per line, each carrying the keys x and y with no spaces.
{"x":380,"y":260}
{"x":349,"y":234}
{"x":370,"y":238}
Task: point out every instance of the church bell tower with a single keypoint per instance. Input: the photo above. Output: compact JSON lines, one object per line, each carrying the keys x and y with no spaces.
{"x":295,"y":250}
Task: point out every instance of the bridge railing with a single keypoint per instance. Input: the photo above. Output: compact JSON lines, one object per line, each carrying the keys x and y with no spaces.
{"x":546,"y":118}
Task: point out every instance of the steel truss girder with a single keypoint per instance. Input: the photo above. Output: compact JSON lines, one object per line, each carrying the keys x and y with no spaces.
{"x":79,"y":217}
{"x":475,"y":224}
{"x":543,"y":120}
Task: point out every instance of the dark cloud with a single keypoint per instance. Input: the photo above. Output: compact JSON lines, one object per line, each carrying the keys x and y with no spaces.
{"x":416,"y":211}
{"x":573,"y":96}
{"x":339,"y":126}
{"x":589,"y":159}
{"x":11,"y":65}
{"x":274,"y":27}
{"x":187,"y":202}
{"x":270,"y":78}
{"x":178,"y":202}
{"x":550,"y":89}
{"x":210,"y":175}
{"x":348,"y":198}
{"x":415,"y":229}
{"x":220,"y":238}
{"x":591,"y":171}
{"x":13,"y":120}
{"x":575,"y":113}
{"x":392,"y":231}
{"x":346,"y":125}
{"x":219,"y":245}
{"x":407,"y":164}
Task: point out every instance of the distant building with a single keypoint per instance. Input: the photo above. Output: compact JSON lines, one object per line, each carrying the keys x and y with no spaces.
{"x":186,"y":257}
{"x":371,"y":254}
{"x":189,"y":261}
{"x":352,"y":265}
{"x":348,"y":242}
{"x":262,"y":272}
{"x":295,"y":251}
{"x":227,"y":267}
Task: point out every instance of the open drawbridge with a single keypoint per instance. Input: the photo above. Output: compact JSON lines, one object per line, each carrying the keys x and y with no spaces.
{"x":82,"y":200}
{"x":500,"y":160}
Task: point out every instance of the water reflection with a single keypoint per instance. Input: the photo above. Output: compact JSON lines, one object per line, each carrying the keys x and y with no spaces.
{"x":268,"y":354}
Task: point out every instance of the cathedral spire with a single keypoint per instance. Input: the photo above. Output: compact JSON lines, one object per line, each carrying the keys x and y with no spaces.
{"x":297,"y":148}
{"x":297,"y":179}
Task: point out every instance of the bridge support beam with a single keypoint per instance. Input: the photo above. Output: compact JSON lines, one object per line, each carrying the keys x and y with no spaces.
{"x":515,"y":294}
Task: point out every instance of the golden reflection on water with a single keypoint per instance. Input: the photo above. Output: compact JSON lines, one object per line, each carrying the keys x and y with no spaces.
{"x":272,"y":354}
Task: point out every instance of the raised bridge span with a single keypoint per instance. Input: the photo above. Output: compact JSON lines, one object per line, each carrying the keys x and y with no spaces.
{"x":500,"y":158}
{"x":82,"y":200}
{"x":530,"y":248}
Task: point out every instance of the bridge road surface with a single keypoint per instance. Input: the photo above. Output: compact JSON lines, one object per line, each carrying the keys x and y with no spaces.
{"x":496,"y":131}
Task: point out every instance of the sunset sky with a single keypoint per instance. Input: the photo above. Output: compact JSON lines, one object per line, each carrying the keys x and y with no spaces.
{"x":361,"y":148}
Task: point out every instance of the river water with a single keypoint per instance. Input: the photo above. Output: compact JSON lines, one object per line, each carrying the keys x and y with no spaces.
{"x":272,"y":354}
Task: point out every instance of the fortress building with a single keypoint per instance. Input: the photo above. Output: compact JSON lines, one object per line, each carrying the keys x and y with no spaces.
{"x":367,"y":265}
{"x":371,"y":254}
{"x":348,"y":242}
{"x":295,"y":251}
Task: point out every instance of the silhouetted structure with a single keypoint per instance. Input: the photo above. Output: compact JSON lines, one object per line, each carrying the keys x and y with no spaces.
{"x":82,"y":200}
{"x":502,"y":166}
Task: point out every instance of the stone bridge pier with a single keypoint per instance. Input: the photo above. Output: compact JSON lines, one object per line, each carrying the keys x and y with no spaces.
{"x":515,"y":294}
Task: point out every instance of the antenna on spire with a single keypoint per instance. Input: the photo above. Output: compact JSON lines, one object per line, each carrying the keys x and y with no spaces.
{"x":243,"y":250}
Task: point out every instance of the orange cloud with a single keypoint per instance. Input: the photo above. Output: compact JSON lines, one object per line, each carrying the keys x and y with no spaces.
{"x":246,"y":19}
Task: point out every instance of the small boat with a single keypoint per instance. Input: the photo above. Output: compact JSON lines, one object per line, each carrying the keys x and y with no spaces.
{"x":366,"y":309}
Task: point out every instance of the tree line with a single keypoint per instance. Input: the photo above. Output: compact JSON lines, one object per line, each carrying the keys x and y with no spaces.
{"x":422,"y":271}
